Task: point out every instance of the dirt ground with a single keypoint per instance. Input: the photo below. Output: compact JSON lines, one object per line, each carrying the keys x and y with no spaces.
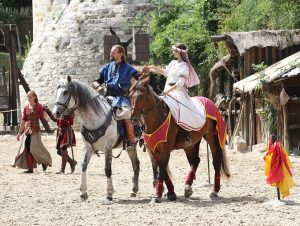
{"x":45,"y":198}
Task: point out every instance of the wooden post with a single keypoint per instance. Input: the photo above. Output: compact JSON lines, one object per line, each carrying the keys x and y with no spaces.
{"x":242,"y":74}
{"x":274,"y":55}
{"x":259,"y":57}
{"x":12,"y":75}
{"x":285,"y":129}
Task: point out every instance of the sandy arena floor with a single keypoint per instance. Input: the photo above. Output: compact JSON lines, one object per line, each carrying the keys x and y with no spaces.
{"x":51,"y":199}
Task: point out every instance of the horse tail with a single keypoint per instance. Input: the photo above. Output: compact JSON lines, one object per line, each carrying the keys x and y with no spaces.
{"x":225,"y":164}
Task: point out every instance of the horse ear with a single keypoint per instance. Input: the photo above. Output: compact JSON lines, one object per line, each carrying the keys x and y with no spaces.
{"x":69,"y":79}
{"x":133,"y":81}
{"x":146,"y":80}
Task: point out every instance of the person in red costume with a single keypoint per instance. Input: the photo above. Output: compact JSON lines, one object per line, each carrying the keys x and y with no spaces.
{"x":34,"y":150}
{"x":65,"y":138}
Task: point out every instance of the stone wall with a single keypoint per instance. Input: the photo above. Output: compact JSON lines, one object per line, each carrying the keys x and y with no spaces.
{"x":70,"y":41}
{"x":40,"y":10}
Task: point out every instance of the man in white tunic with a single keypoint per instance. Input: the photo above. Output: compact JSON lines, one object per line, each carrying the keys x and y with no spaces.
{"x":188,"y":113}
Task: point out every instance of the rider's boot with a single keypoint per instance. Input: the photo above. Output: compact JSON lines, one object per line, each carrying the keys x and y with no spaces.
{"x":129,"y":134}
{"x":64,"y":159}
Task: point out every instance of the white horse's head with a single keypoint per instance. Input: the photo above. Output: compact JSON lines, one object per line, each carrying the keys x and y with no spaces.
{"x":65,"y":101}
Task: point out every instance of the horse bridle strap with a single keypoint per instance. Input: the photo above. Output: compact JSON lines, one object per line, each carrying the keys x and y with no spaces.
{"x":143,"y":111}
{"x":66,"y":104}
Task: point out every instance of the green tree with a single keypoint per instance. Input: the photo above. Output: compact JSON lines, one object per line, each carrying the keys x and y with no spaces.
{"x":16,"y":3}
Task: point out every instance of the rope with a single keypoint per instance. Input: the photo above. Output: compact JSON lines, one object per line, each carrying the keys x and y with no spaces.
{"x":10,"y":110}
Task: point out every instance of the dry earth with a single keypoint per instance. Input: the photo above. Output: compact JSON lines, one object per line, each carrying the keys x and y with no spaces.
{"x":51,"y":199}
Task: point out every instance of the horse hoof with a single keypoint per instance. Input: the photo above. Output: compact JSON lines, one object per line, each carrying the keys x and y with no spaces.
{"x":109,"y":198}
{"x":135,"y":189}
{"x":171,"y":196}
{"x":188,"y":191}
{"x":107,"y":201}
{"x":133,"y":194}
{"x":214,"y":195}
{"x":84,"y":196}
{"x":155,"y":199}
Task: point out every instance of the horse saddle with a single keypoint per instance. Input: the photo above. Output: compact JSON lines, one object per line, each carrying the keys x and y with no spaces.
{"x":92,"y":136}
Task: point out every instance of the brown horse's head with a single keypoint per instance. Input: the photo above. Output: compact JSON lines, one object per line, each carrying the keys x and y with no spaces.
{"x":139,"y":97}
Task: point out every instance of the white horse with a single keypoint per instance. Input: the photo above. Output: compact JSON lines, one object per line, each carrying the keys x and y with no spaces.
{"x":99,"y":129}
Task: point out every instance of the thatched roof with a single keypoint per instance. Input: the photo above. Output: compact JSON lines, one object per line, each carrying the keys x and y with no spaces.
{"x":288,"y":67}
{"x":261,"y":39}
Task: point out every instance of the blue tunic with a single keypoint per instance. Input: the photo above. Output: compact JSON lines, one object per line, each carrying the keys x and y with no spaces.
{"x":117,"y":77}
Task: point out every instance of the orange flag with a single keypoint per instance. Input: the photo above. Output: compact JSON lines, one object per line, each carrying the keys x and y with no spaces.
{"x":277,"y":168}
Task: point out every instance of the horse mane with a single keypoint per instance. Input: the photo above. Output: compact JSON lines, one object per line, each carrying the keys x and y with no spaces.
{"x":85,"y":96}
{"x":139,"y":85}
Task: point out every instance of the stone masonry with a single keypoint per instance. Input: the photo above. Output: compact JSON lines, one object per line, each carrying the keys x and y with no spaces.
{"x":69,"y":41}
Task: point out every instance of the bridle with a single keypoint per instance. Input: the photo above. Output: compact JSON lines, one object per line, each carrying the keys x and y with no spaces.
{"x":141,"y":111}
{"x":66,"y":104}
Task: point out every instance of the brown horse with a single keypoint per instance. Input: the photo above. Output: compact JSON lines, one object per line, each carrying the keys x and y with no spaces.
{"x":147,"y":106}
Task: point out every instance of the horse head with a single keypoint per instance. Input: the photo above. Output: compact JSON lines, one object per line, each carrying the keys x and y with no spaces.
{"x":65,"y":101}
{"x":139,"y":97}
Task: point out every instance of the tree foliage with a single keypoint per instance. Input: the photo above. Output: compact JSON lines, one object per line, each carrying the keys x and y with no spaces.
{"x":193,"y":22}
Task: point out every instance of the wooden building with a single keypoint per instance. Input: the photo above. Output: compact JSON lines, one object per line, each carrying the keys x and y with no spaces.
{"x":244,"y":50}
{"x":280,"y":85}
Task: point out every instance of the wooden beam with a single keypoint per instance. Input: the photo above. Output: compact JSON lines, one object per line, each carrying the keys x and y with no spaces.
{"x":218,"y":38}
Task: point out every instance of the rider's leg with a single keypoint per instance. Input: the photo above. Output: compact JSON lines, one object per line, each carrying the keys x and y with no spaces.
{"x":129,"y":134}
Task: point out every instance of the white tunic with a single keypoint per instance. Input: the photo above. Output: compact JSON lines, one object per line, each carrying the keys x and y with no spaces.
{"x":188,"y":113}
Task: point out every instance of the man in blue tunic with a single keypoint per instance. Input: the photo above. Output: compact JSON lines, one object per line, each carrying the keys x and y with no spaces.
{"x":116,"y":77}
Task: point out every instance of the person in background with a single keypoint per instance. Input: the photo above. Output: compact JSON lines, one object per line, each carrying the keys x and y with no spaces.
{"x":34,"y":151}
{"x":65,"y":138}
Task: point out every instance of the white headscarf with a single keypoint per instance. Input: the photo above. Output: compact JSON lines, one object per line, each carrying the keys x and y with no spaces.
{"x":193,"y":78}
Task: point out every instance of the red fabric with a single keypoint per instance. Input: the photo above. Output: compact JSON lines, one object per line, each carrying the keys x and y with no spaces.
{"x":159,"y":188}
{"x":160,"y":135}
{"x":65,"y":133}
{"x":32,"y":116}
{"x":213,"y":112}
{"x":191,"y":176}
{"x":276,"y":172}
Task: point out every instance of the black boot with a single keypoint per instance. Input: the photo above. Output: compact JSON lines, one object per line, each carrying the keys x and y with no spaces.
{"x":44,"y":167}
{"x":28,"y":171}
{"x":64,"y":159}
{"x":129,"y":134}
{"x":72,"y":163}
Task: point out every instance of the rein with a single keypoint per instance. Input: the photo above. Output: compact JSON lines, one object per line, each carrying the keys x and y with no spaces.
{"x":91,"y":136}
{"x":143,"y":111}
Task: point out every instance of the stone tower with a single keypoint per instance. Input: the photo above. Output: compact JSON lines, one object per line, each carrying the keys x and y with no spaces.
{"x":68,"y":40}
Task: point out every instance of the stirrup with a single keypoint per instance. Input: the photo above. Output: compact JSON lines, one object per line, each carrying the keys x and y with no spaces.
{"x":187,"y":141}
{"x":130,"y":148}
